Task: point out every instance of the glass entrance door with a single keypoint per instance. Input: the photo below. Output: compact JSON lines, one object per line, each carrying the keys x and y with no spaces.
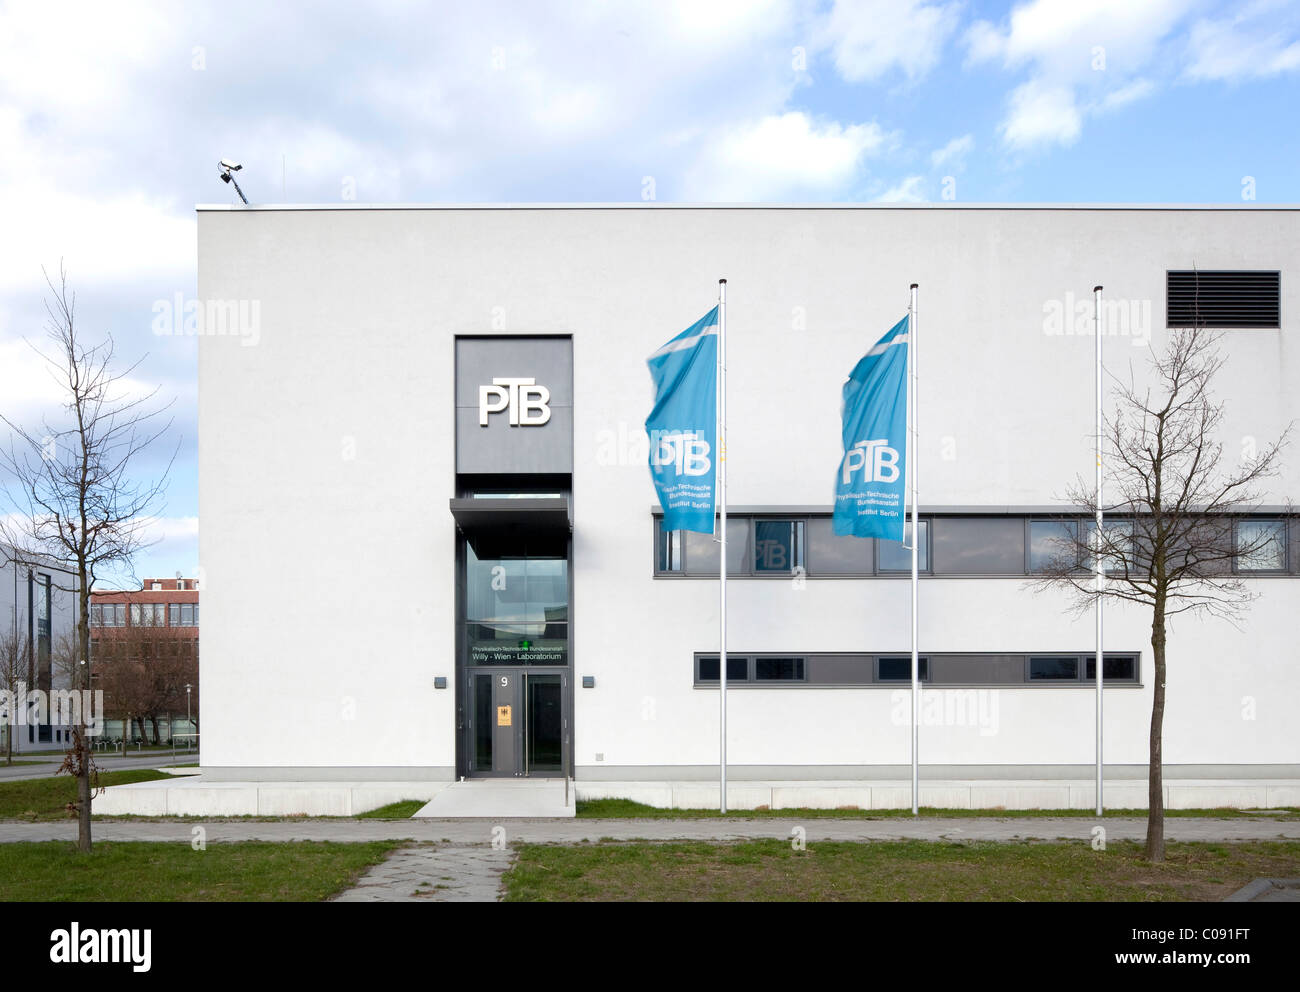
{"x":517,"y":723}
{"x":543,"y":723}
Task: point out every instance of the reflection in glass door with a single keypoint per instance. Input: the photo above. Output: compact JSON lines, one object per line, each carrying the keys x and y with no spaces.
{"x":544,"y":723}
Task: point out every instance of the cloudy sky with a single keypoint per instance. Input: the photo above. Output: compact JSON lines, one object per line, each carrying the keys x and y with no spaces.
{"x":113,"y":116}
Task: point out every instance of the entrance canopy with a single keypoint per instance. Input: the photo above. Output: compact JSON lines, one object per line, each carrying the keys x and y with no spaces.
{"x":501,"y":516}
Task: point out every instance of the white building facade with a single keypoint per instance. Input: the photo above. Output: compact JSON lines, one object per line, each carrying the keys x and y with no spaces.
{"x":430,"y":537}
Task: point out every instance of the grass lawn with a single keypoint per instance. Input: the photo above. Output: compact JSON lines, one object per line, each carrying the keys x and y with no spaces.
{"x":403,"y":810}
{"x":600,"y":809}
{"x":120,"y":871}
{"x":46,"y":798}
{"x":892,"y":871}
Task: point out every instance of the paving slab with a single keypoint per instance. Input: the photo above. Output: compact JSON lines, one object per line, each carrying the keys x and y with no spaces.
{"x":447,"y":873}
{"x":1268,"y":890}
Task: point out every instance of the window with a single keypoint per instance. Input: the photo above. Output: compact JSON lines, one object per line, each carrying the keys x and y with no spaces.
{"x":898,"y":668}
{"x":778,"y":546}
{"x":829,"y":554}
{"x":183,"y":614}
{"x":1050,"y":668}
{"x":688,"y":552}
{"x":516,"y":603}
{"x":669,"y":558}
{"x":1053,"y":545}
{"x":979,"y":545}
{"x":1116,"y":546}
{"x":1223,"y":298}
{"x":147,"y":615}
{"x":1261,"y":546}
{"x":737,"y":669}
{"x":945,"y":670}
{"x":896,"y":556}
{"x":1121,"y":668}
{"x":778,"y":670}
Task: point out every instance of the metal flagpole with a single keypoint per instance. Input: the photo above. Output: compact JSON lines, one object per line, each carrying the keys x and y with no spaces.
{"x":722,"y":557}
{"x":912,"y":460}
{"x":1099,"y":567}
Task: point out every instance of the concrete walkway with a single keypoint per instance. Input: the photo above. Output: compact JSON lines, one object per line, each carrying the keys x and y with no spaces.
{"x":109,"y":761}
{"x":573,"y":831}
{"x":454,"y":873}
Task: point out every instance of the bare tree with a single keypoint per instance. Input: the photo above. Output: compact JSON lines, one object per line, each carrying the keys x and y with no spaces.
{"x":72,"y":487}
{"x":1173,"y":538}
{"x":15,"y":676}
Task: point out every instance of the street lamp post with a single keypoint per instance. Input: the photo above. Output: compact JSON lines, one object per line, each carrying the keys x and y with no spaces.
{"x":188,"y":722}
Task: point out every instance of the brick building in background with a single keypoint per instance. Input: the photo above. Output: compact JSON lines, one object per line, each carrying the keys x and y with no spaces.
{"x":145,"y":651}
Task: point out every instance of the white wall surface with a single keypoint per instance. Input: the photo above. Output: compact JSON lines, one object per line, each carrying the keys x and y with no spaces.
{"x":328,"y":600}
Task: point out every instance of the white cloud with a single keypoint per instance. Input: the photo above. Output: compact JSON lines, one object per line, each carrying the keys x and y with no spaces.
{"x":782,"y":157}
{"x":1122,"y":97}
{"x":907,"y":191}
{"x":870,"y":39}
{"x":1083,"y":58}
{"x":1041,"y":115}
{"x":953,"y":154}
{"x":1258,"y":41}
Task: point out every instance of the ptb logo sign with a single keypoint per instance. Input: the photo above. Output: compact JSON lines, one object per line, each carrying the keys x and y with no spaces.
{"x":875,"y":459}
{"x":527,"y":402}
{"x":686,"y":451}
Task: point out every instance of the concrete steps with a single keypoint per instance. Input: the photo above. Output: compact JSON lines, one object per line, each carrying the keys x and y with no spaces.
{"x":501,"y":798}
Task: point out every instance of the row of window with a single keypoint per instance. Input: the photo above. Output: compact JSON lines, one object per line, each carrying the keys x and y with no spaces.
{"x":145,"y":614}
{"x":956,"y":545}
{"x":831,"y":669}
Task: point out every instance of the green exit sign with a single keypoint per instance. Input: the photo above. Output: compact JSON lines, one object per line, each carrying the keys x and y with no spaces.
{"x":525,"y":645}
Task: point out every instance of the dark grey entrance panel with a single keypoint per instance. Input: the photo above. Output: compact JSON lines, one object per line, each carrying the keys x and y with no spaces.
{"x":519,"y":722}
{"x":528,"y":379}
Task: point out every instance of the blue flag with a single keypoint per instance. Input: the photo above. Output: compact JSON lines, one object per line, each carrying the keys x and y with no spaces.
{"x":870,"y":487}
{"x":683,"y":426}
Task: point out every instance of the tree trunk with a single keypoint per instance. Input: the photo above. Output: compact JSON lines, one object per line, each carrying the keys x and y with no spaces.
{"x":153,"y":722}
{"x":80,"y":738}
{"x":1155,"y":779}
{"x":82,"y":744}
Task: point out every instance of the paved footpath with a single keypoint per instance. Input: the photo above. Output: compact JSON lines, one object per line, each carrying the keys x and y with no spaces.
{"x":462,"y":860}
{"x":450,"y":873}
{"x":575,"y":831}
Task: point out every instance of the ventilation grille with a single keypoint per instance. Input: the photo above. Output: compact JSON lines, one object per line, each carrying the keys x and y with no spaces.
{"x":1223,"y":299}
